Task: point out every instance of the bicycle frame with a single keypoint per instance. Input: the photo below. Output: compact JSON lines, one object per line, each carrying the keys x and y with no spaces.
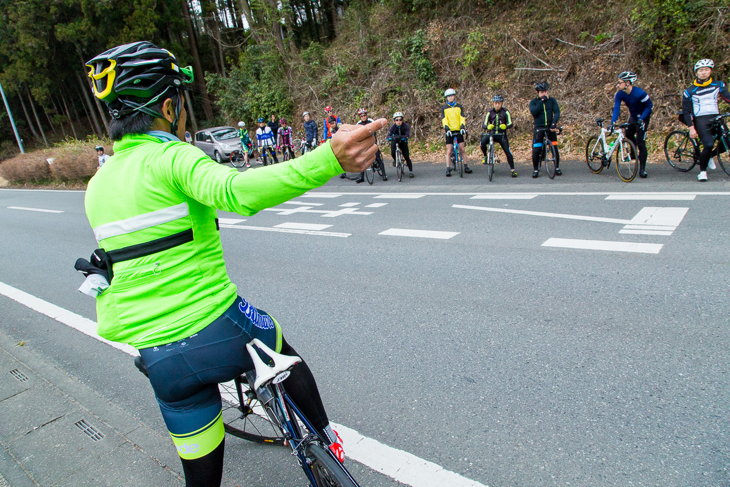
{"x":608,"y":149}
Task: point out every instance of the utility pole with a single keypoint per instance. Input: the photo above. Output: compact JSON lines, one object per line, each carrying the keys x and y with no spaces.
{"x":12,"y":121}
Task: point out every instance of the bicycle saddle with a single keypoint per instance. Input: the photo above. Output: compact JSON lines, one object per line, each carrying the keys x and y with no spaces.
{"x":266,"y":373}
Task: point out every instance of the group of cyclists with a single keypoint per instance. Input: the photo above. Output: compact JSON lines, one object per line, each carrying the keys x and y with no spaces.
{"x":700,"y":106}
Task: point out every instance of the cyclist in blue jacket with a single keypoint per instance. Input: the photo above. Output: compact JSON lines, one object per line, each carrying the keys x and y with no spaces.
{"x":699,"y":109}
{"x":310,"y":131}
{"x":640,"y":108}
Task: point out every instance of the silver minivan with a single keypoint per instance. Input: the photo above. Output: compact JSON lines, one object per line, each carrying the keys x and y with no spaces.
{"x":218,"y":142}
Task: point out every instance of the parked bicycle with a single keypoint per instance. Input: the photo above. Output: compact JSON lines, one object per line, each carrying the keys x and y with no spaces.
{"x":398,"y":162}
{"x":287,"y":152}
{"x":376,"y":167}
{"x":457,"y":159}
{"x":683,"y":152}
{"x":548,"y":154}
{"x":492,"y":157}
{"x":302,"y":146}
{"x":258,"y":408}
{"x":599,"y":153}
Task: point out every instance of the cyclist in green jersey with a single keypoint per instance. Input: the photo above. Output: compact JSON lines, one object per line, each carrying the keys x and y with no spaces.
{"x":167,"y":292}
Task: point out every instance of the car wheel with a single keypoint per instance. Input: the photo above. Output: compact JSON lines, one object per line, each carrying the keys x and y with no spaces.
{"x":217,"y":157}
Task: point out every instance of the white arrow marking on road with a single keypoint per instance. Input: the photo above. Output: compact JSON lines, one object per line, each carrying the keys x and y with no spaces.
{"x":572,"y":243}
{"x":400,"y":465}
{"x":550,"y":215}
{"x":41,"y":210}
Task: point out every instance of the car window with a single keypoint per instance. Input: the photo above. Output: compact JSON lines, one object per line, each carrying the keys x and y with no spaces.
{"x":225,"y":134}
{"x":200,"y":136}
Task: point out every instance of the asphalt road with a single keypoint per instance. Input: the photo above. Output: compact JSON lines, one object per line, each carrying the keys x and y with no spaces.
{"x":471,"y":344}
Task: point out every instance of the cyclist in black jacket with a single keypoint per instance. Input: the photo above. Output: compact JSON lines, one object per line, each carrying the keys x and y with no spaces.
{"x":496,"y":123}
{"x":398,"y":136}
{"x":546,"y":112}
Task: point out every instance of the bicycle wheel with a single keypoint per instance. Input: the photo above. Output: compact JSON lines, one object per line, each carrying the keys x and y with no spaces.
{"x":380,"y":167}
{"x":549,"y":154}
{"x":370,"y":174}
{"x":399,"y":166}
{"x":327,"y":470}
{"x":490,"y":163}
{"x":627,"y":164}
{"x":245,"y":417}
{"x":595,"y":155}
{"x":459,"y":164}
{"x":724,"y":164}
{"x":237,"y":160}
{"x":679,"y":151}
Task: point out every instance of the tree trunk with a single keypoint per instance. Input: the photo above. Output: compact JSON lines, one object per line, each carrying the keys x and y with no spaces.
{"x":250,"y":20}
{"x":199,"y":79}
{"x":87,"y":104}
{"x":68,"y":116}
{"x":27,"y":116}
{"x":50,"y":122}
{"x":35,"y":115}
{"x":57,"y":109}
{"x":191,"y":113}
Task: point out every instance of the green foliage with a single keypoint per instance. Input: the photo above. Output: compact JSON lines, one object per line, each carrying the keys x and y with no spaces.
{"x":472,"y":48}
{"x":313,"y":55}
{"x":416,"y":48}
{"x":256,"y":87}
{"x":604,"y":36}
{"x":672,"y":27}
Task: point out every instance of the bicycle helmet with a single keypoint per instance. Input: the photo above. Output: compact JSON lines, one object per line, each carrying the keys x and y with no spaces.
{"x":449,"y":92}
{"x":704,"y":63}
{"x":628,"y":76}
{"x":241,"y":124}
{"x":282,"y":120}
{"x":398,"y":115}
{"x":361,"y":111}
{"x":98,"y":148}
{"x":328,"y":109}
{"x":305,"y":114}
{"x":497,"y":98}
{"x":261,"y":120}
{"x":134,"y":76}
{"x":542,"y":86}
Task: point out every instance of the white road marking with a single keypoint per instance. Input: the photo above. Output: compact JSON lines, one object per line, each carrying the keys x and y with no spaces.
{"x":550,"y":215}
{"x":652,"y":215}
{"x":348,"y":205}
{"x":407,"y":232}
{"x":302,"y":226}
{"x":649,"y":227}
{"x":650,"y":197}
{"x":571,"y":243}
{"x":288,"y":230}
{"x":376,"y":205}
{"x":344,"y":211}
{"x":400,"y":196}
{"x":646,"y":232}
{"x":321,"y":195}
{"x":40,"y":210}
{"x":323,"y":213}
{"x":300,"y":203}
{"x":397,"y":464}
{"x":230,"y":221}
{"x":505,"y":196}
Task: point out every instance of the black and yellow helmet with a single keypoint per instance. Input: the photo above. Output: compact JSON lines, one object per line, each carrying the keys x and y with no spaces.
{"x":134,"y":73}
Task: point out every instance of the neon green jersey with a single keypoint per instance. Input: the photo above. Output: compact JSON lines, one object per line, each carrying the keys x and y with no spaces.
{"x":152,"y":189}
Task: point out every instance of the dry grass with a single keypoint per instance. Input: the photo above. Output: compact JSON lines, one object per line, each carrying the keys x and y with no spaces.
{"x":70,"y":164}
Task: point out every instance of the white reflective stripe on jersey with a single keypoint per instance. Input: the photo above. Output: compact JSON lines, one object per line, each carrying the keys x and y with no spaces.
{"x":645,"y":99}
{"x":140,"y":222}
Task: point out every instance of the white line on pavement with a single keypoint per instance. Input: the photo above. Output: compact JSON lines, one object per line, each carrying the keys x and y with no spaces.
{"x":653,"y":215}
{"x":40,"y":210}
{"x":375,"y":205}
{"x":646,"y":232}
{"x":288,"y":230}
{"x":542,"y":213}
{"x":570,"y":243}
{"x":350,"y":204}
{"x":504,"y":196}
{"x":650,"y":197}
{"x":302,"y":226}
{"x":407,"y":232}
{"x":230,"y":221}
{"x":400,"y":196}
{"x":321,"y":195}
{"x":397,"y":464}
{"x":650,"y":227}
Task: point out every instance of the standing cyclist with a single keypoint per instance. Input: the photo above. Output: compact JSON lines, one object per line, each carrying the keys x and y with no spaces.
{"x":101,"y":156}
{"x":398,"y":136}
{"x":266,"y":141}
{"x":365,"y":120}
{"x":640,"y":108}
{"x":310,"y":131}
{"x":327,"y":126}
{"x":496,"y":123}
{"x":153,"y":211}
{"x":454,"y":123}
{"x":284,"y":139}
{"x":246,"y":144}
{"x":699,"y":108}
{"x":546,"y":112}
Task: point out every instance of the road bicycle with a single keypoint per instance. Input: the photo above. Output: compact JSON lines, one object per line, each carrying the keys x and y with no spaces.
{"x":491,"y":155}
{"x":287,"y":152}
{"x":457,"y":159}
{"x":398,"y":162}
{"x":376,"y":167}
{"x":548,"y":154}
{"x":265,"y":413}
{"x":599,"y":152}
{"x":302,"y":146}
{"x":239,"y":159}
{"x":683,"y":152}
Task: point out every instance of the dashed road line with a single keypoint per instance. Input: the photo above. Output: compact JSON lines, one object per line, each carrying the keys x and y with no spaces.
{"x":288,"y":230}
{"x":409,"y":232}
{"x":400,"y":196}
{"x":505,"y":196}
{"x":40,"y":210}
{"x":651,"y":197}
{"x":302,"y":226}
{"x":230,"y":221}
{"x":376,"y":205}
{"x":607,"y":245}
{"x":350,"y":204}
{"x":397,"y":464}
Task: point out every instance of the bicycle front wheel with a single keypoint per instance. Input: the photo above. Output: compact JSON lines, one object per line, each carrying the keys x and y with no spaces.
{"x":370,"y":174}
{"x":328,"y":472}
{"x":490,"y":163}
{"x":459,"y":165}
{"x":595,"y":155}
{"x":679,"y":151}
{"x":399,"y":166}
{"x":722,"y":158}
{"x":550,"y":159}
{"x":245,"y":417}
{"x":627,"y":164}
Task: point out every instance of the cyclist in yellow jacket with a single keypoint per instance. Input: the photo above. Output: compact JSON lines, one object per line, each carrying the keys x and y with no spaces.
{"x":454,"y":123}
